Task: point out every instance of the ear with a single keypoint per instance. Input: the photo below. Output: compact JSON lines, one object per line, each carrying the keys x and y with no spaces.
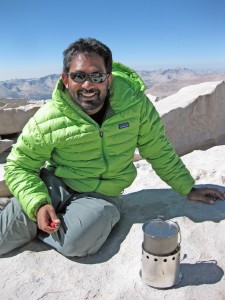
{"x":110,"y":78}
{"x":65,"y":79}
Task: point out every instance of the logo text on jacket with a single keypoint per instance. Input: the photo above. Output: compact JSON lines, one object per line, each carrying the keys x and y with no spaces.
{"x":124,"y":125}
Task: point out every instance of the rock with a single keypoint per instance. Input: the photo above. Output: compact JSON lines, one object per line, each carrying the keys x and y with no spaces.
{"x":13,"y":116}
{"x":3,"y":156}
{"x":5,"y":144}
{"x":137,"y":156}
{"x":4,"y":191}
{"x":194,"y":118}
{"x":152,"y":98}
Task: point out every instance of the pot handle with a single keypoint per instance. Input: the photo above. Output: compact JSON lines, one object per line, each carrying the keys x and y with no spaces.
{"x":179,"y":231}
{"x":161,"y":217}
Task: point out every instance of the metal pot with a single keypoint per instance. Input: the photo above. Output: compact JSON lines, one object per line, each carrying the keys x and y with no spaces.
{"x":160,"y":237}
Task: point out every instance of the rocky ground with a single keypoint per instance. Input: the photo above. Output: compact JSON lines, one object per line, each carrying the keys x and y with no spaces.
{"x":36,"y":271}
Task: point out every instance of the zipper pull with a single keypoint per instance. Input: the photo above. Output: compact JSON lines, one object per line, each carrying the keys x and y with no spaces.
{"x":101,"y":132}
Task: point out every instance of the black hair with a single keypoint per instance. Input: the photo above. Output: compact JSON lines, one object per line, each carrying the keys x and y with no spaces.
{"x":87,"y":46}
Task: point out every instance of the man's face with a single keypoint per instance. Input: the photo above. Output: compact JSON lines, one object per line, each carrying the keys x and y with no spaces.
{"x":88,"y":95}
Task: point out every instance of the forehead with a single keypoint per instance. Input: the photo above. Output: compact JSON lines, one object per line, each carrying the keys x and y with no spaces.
{"x":87,"y":63}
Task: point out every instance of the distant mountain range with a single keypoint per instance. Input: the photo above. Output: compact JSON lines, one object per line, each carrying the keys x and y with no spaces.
{"x":161,"y":83}
{"x":30,"y":89}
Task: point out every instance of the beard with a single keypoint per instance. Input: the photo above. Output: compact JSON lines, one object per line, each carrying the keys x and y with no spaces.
{"x":89,"y":100}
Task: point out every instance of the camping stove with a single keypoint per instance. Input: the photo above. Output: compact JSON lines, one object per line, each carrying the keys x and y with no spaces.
{"x":161,"y":253}
{"x":161,"y":271}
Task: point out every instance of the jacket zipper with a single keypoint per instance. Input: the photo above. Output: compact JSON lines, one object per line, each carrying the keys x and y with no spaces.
{"x":101,"y":136}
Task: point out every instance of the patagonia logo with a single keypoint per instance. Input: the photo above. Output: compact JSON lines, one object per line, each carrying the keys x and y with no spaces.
{"x":124,"y":125}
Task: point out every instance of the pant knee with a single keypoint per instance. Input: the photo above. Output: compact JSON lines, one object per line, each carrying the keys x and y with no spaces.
{"x":89,"y":242}
{"x":73,"y":250}
{"x":84,"y":228}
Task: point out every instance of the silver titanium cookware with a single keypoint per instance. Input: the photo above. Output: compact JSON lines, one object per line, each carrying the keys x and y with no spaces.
{"x":161,"y":253}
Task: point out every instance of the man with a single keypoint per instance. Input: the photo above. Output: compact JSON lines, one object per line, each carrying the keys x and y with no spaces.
{"x":75,"y":156}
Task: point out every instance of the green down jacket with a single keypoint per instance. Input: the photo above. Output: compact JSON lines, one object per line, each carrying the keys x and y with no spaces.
{"x":88,"y":157}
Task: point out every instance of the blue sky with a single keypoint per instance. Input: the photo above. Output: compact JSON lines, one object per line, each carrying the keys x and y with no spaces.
{"x":142,"y":34}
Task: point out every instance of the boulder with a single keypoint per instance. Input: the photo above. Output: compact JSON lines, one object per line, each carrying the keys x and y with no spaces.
{"x":4,"y":191}
{"x":5,"y":144}
{"x":194,"y":118}
{"x":15,"y":114}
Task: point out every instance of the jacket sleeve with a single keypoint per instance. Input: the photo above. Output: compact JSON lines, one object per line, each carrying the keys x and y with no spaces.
{"x":158,"y":151}
{"x":22,"y":169}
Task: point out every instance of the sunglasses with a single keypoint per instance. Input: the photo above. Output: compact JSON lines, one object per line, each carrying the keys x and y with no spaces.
{"x":96,"y":77}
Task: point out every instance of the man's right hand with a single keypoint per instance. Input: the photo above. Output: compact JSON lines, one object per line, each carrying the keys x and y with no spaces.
{"x":45,"y":215}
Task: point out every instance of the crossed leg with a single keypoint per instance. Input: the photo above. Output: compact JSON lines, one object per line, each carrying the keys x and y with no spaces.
{"x":86,"y":221}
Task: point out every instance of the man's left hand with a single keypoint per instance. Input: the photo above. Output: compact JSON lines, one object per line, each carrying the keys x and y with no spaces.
{"x":206,"y":195}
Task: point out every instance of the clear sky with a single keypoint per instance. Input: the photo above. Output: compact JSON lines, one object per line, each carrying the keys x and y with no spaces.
{"x":143,"y":34}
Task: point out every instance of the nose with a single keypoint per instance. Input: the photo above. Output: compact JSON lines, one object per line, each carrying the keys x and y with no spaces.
{"x":88,"y":84}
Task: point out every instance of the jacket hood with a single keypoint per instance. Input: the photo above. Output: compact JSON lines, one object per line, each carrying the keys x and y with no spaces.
{"x":129,"y":75}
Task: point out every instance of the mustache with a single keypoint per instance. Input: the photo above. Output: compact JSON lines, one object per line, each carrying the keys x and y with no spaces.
{"x":88,"y":91}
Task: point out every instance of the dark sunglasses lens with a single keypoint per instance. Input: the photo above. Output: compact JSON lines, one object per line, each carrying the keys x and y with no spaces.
{"x":78,"y":77}
{"x":81,"y":77}
{"x":98,"y":77}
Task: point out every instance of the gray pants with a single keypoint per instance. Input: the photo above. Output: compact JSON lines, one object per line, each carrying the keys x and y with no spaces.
{"x":86,"y":221}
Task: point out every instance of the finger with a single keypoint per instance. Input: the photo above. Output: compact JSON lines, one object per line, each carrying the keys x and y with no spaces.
{"x":50,"y":230}
{"x":219,"y":195}
{"x":53,"y":217}
{"x":51,"y":227}
{"x":215,"y":193}
{"x":207,"y":200}
{"x":55,"y":224}
{"x":202,"y":198}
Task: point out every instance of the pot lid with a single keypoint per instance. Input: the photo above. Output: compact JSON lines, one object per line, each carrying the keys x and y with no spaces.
{"x":160,"y":229}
